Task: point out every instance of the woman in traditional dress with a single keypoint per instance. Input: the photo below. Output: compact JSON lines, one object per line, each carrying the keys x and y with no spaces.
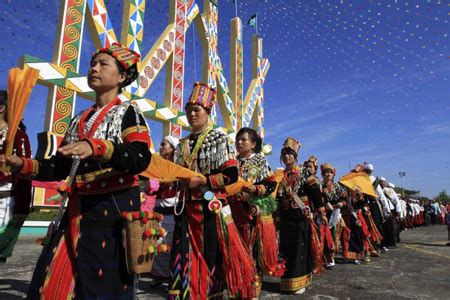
{"x":311,"y":165}
{"x":110,"y":141}
{"x":335,"y":197}
{"x":166,"y":198}
{"x":203,"y":262}
{"x":15,"y":193}
{"x":325,"y":235}
{"x":298,"y":195}
{"x":353,"y":236}
{"x":252,"y":208}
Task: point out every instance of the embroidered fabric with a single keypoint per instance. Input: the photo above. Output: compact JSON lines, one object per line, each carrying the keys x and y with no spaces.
{"x":255,"y":168}
{"x":215,"y":150}
{"x":111,"y":127}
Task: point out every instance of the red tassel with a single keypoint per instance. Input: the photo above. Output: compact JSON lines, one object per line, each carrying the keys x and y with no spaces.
{"x":238,"y":262}
{"x":338,"y":234}
{"x":316,"y":248}
{"x":268,"y":247}
{"x":364,"y":227}
{"x":365,"y":230}
{"x":376,"y":235}
{"x":326,"y":237}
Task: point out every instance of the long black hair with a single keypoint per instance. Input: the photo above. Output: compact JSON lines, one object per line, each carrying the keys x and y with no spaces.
{"x":253,"y":135}
{"x":4,"y":102}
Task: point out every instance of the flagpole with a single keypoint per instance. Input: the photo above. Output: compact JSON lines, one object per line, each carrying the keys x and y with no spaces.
{"x":235,"y":7}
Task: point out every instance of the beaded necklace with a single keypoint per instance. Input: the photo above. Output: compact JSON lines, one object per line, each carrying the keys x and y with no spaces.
{"x":188,"y":158}
{"x":87,"y":129}
{"x":3,"y":133}
{"x":290,"y":180}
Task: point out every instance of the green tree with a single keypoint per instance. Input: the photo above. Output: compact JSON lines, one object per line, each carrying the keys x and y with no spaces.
{"x":408,"y":193}
{"x":442,"y":197}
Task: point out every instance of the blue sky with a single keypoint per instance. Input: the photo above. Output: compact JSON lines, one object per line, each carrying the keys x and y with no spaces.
{"x":354,"y":81}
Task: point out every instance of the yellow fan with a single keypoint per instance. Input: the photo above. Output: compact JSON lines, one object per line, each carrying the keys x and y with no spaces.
{"x":359,"y":179}
{"x":278,"y":174}
{"x":167,"y":171}
{"x":236,"y":187}
{"x":20,"y":85}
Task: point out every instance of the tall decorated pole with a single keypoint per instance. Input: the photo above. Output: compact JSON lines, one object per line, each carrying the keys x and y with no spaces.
{"x":133,"y":32}
{"x":175,"y":71}
{"x":236,"y":68}
{"x":61,"y":99}
{"x":212,"y":70}
{"x":253,"y":101}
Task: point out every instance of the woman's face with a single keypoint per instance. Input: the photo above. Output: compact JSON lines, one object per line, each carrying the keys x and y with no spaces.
{"x":165,"y":149}
{"x":197,"y":116}
{"x":103,"y":74}
{"x":310,"y":167}
{"x":288,"y":158}
{"x":328,"y":175}
{"x":244,"y":144}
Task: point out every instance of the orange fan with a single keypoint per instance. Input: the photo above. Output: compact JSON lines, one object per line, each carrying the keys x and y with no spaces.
{"x":278,"y":175}
{"x":236,"y":187}
{"x":361,"y":180}
{"x":20,"y":85}
{"x":167,"y":171}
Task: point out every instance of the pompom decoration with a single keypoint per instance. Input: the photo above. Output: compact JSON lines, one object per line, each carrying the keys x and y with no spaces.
{"x":144,"y":220}
{"x":124,"y":214}
{"x":147,"y":233}
{"x":135,"y":215}
{"x":129,"y":217}
{"x":151,"y":249}
{"x":141,"y":214}
{"x":162,"y":231}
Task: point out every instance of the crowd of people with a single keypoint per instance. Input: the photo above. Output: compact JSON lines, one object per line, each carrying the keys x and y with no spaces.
{"x":289,"y":223}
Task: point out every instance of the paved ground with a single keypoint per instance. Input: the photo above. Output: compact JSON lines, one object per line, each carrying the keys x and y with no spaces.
{"x":419,"y":268}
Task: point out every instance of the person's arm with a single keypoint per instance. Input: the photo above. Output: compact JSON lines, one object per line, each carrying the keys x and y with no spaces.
{"x":313,"y":190}
{"x":225,"y":175}
{"x":342,"y":195}
{"x":396,"y":200}
{"x":22,"y":187}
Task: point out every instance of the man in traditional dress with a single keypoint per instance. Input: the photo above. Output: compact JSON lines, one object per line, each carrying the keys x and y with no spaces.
{"x":391,"y":225}
{"x":378,"y":206}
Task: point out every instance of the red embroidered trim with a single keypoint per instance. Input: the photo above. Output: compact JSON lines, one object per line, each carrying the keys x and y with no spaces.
{"x":30,"y":167}
{"x":229,"y":163}
{"x":102,"y":149}
{"x":97,"y":122}
{"x":138,"y":137}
